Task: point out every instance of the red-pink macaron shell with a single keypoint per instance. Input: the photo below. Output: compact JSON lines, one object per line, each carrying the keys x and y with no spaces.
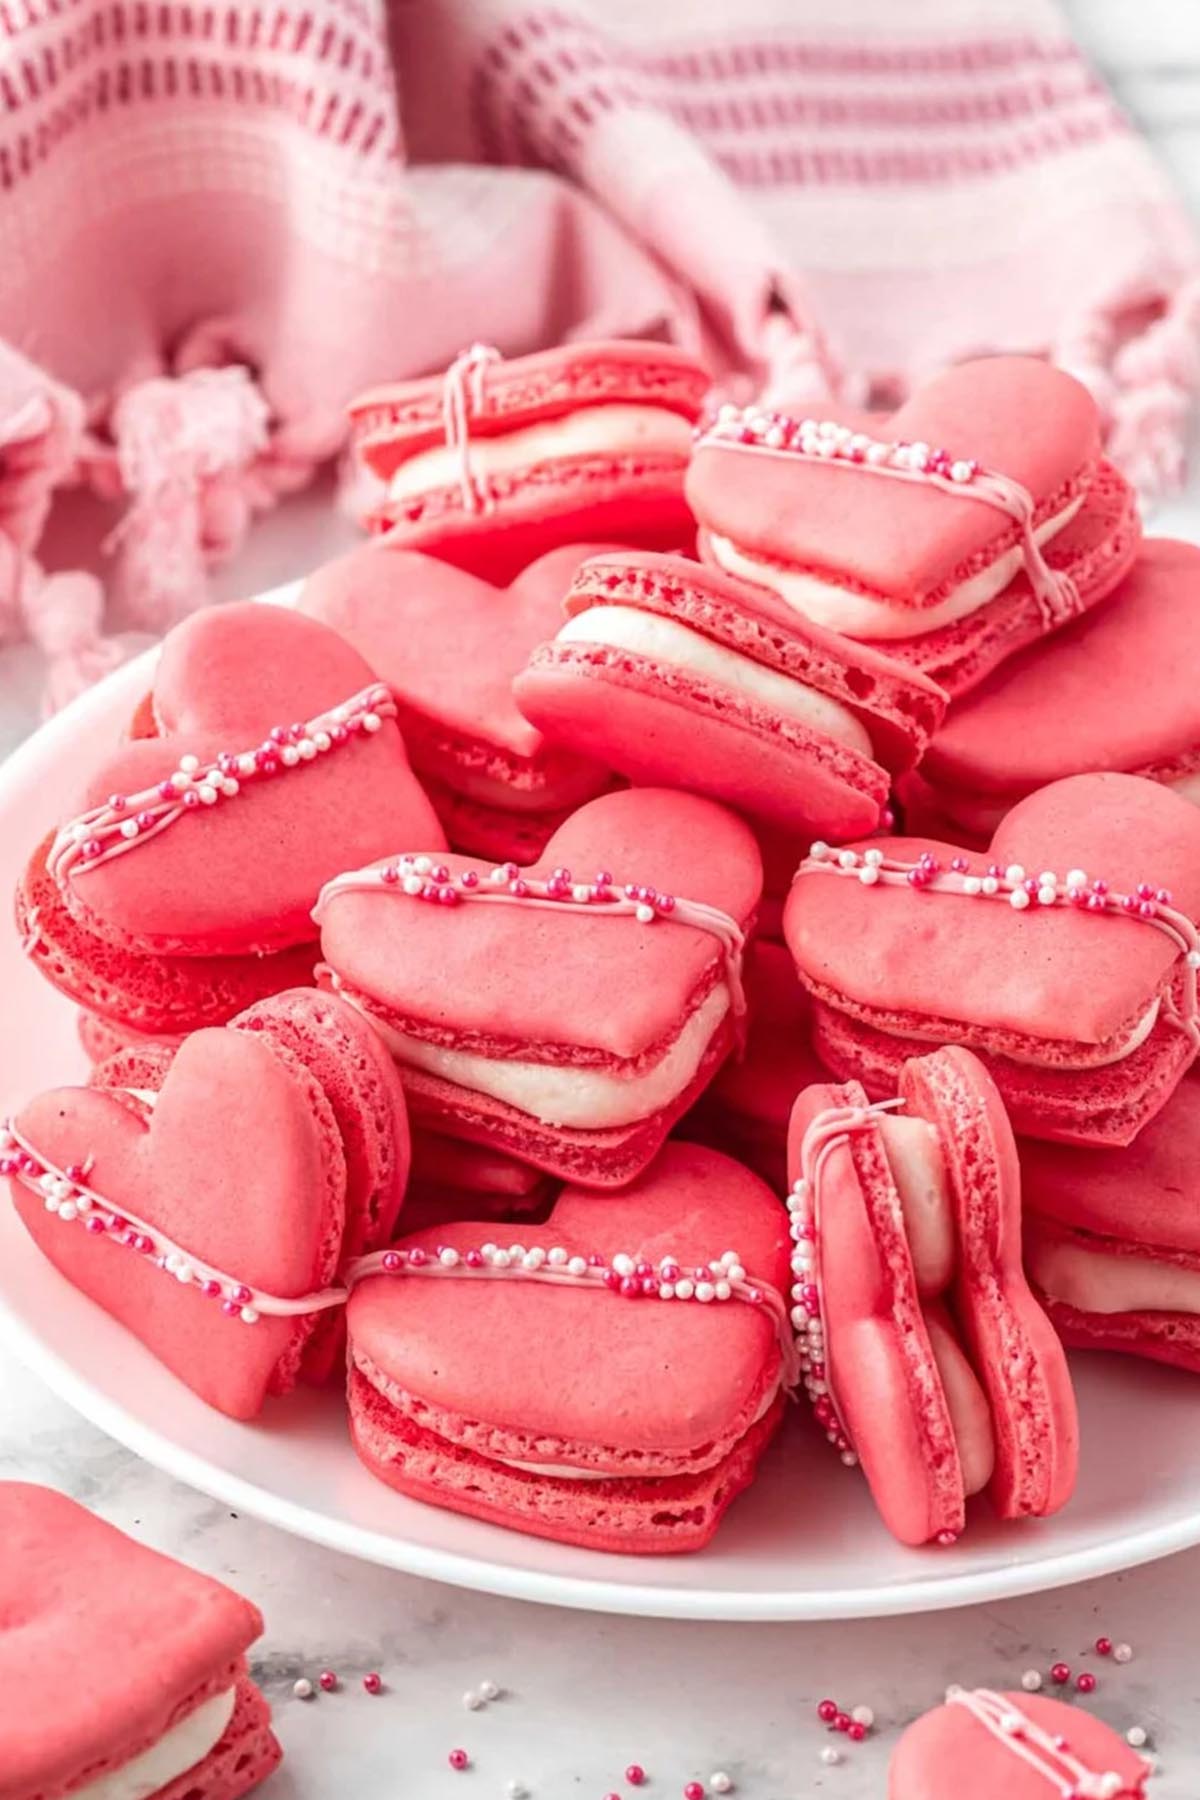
{"x":240,"y":1162}
{"x":1113,"y":690}
{"x":903,"y":541}
{"x":150,"y":1638}
{"x":931,"y":1759}
{"x":891,"y":954}
{"x":242,"y":875}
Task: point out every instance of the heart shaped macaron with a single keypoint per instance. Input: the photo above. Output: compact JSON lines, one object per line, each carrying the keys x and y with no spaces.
{"x":276,"y":763}
{"x":1066,"y":955}
{"x":448,"y":645}
{"x":196,"y":1194}
{"x":566,"y":1013}
{"x":907,"y":533}
{"x":496,"y":461}
{"x":1115,"y":689}
{"x":628,"y":1387}
{"x":1025,"y":1746}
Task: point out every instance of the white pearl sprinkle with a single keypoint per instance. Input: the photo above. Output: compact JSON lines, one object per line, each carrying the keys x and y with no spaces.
{"x":1076,"y":878}
{"x":1010,"y":1722}
{"x":1193,"y":959}
{"x":862,"y":1715}
{"x":847,"y":859}
{"x":306,"y":749}
{"x":249,"y":1316}
{"x":869,"y":875}
{"x":534,"y":1258}
{"x":1014,"y":872}
{"x":685,"y":1288}
{"x":989,"y":884}
{"x":577,"y":1266}
{"x":581,"y":892}
{"x":189,"y":764}
{"x":472,"y":1700}
{"x":516,"y":1790}
{"x":180,"y":781}
{"x":130,"y":828}
{"x":52,"y":1203}
{"x":323,"y":741}
{"x":1124,"y":1652}
{"x":412,"y":884}
{"x":183,"y":1272}
{"x":644,"y":914}
{"x":1137,"y":1736}
{"x":1047,"y":895}
{"x":622,"y":1264}
{"x":371,"y":721}
{"x":289,"y":756}
{"x":490,"y":1690}
{"x":705,"y":1291}
{"x":449,"y":1258}
{"x":831,"y":1757}
{"x":1018,"y":899}
{"x":303,"y":1689}
{"x":1031,"y":1681}
{"x":721,"y":1783}
{"x":246,"y":765}
{"x":422,"y":864}
{"x":556,"y":1257}
{"x":666,"y":1290}
{"x":961,"y":471}
{"x":68,"y":1212}
{"x":500,"y":1259}
{"x":208,"y":795}
{"x":230,"y":786}
{"x":818,"y":851}
{"x":873,"y":858}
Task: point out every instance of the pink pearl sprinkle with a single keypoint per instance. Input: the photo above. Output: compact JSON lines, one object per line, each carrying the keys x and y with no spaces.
{"x":191,"y":798}
{"x":1086,"y":1683}
{"x":145,"y":820}
{"x":92,"y":847}
{"x":635,"y":1775}
{"x":327,"y":1680}
{"x":469,"y":879}
{"x":827,"y":1711}
{"x":117,"y":802}
{"x":474,"y":1259}
{"x":391,"y":1261}
{"x":856,"y":1732}
{"x":630,"y":1287}
{"x":448,"y":896}
{"x":210,"y":1289}
{"x":458,"y":1759}
{"x":373,"y":1682}
{"x":230,"y":1308}
{"x":1104,"y":1646}
{"x":95,"y":1225}
{"x":693,"y":1791}
{"x":1060,"y":1673}
{"x":391,"y":874}
{"x":842,"y":1722}
{"x":417,"y":1258}
{"x":242,"y":1295}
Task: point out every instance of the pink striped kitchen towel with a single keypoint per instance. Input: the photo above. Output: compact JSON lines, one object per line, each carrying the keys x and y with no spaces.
{"x":219,"y":218}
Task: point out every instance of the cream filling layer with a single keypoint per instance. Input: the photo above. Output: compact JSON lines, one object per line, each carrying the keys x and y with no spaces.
{"x":914,"y":1154}
{"x":177,"y":1751}
{"x":666,"y":640}
{"x":857,"y":615}
{"x":1141,"y":1032}
{"x":1095,"y":1282}
{"x":569,"y":1472}
{"x":580,"y":1099}
{"x":615,"y":430}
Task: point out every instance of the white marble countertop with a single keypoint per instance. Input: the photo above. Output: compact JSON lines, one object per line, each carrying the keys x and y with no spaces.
{"x":586,"y":1695}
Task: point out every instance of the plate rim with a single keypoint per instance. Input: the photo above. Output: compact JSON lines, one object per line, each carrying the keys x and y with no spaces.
{"x":473,"y":1572}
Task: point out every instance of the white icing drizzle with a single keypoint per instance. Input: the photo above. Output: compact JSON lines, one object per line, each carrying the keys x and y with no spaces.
{"x":1048,"y":1756}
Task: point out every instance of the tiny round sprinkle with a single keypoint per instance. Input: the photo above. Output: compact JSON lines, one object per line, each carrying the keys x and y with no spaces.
{"x":303,"y":1689}
{"x":1031,"y":1681}
{"x":1123,"y":1653}
{"x":1060,"y":1673}
{"x":1086,"y":1683}
{"x":458,"y":1759}
{"x":373,"y":1682}
{"x":516,"y":1790}
{"x":842,"y":1722}
{"x":473,"y":1700}
{"x":827,"y":1711}
{"x":635,"y":1775}
{"x":694,"y":1790}
{"x":489,"y":1690}
{"x":1137,"y":1735}
{"x":1104,"y":1646}
{"x":862,"y":1715}
{"x":831,"y":1756}
{"x":327,"y":1680}
{"x":856,"y":1733}
{"x":721,"y":1783}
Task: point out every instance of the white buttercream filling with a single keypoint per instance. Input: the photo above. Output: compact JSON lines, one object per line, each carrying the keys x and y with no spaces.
{"x":914,"y":1153}
{"x":1139,"y":1035}
{"x":177,"y":1751}
{"x":666,"y":640}
{"x":1098,"y":1282}
{"x":614,"y":430}
{"x":569,"y":1472}
{"x":560,"y":1095}
{"x":857,"y":615}
{"x":1187,"y":787}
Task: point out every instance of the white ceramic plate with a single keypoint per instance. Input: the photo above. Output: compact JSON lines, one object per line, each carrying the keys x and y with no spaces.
{"x":804,"y":1543}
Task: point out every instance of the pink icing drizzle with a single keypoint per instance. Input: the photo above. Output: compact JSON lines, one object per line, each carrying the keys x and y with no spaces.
{"x":1048,"y":1756}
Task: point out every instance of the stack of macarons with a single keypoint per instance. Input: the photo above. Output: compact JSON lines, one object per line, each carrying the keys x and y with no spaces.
{"x":528,"y":902}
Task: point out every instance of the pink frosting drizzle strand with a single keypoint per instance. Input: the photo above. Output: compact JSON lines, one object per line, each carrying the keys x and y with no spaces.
{"x":1145,"y":904}
{"x":1047,"y":1755}
{"x":763,"y":432}
{"x":67,"y":1194}
{"x":125,"y":821}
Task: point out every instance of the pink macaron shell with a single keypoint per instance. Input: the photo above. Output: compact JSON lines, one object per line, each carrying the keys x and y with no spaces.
{"x":242,"y":875}
{"x":929,"y":1761}
{"x":891,"y":954}
{"x":882,"y":1367}
{"x":136,"y":992}
{"x":447,"y":1162}
{"x":1011,"y":1343}
{"x":241,"y":1164}
{"x":155,"y":1639}
{"x":585,"y":1376}
{"x":1088,"y":1106}
{"x":905,"y":541}
{"x":1113,"y":690}
{"x":448,"y":645}
{"x":101,"y":1038}
{"x":544,"y":984}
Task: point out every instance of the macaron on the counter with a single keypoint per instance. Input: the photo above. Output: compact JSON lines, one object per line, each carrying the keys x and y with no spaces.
{"x":927,"y":1358}
{"x":974,"y":520}
{"x":161,"y":1706}
{"x":634,"y":1365}
{"x":1065,"y":955}
{"x":496,"y":461}
{"x":674,"y":673}
{"x":1024,"y":1746}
